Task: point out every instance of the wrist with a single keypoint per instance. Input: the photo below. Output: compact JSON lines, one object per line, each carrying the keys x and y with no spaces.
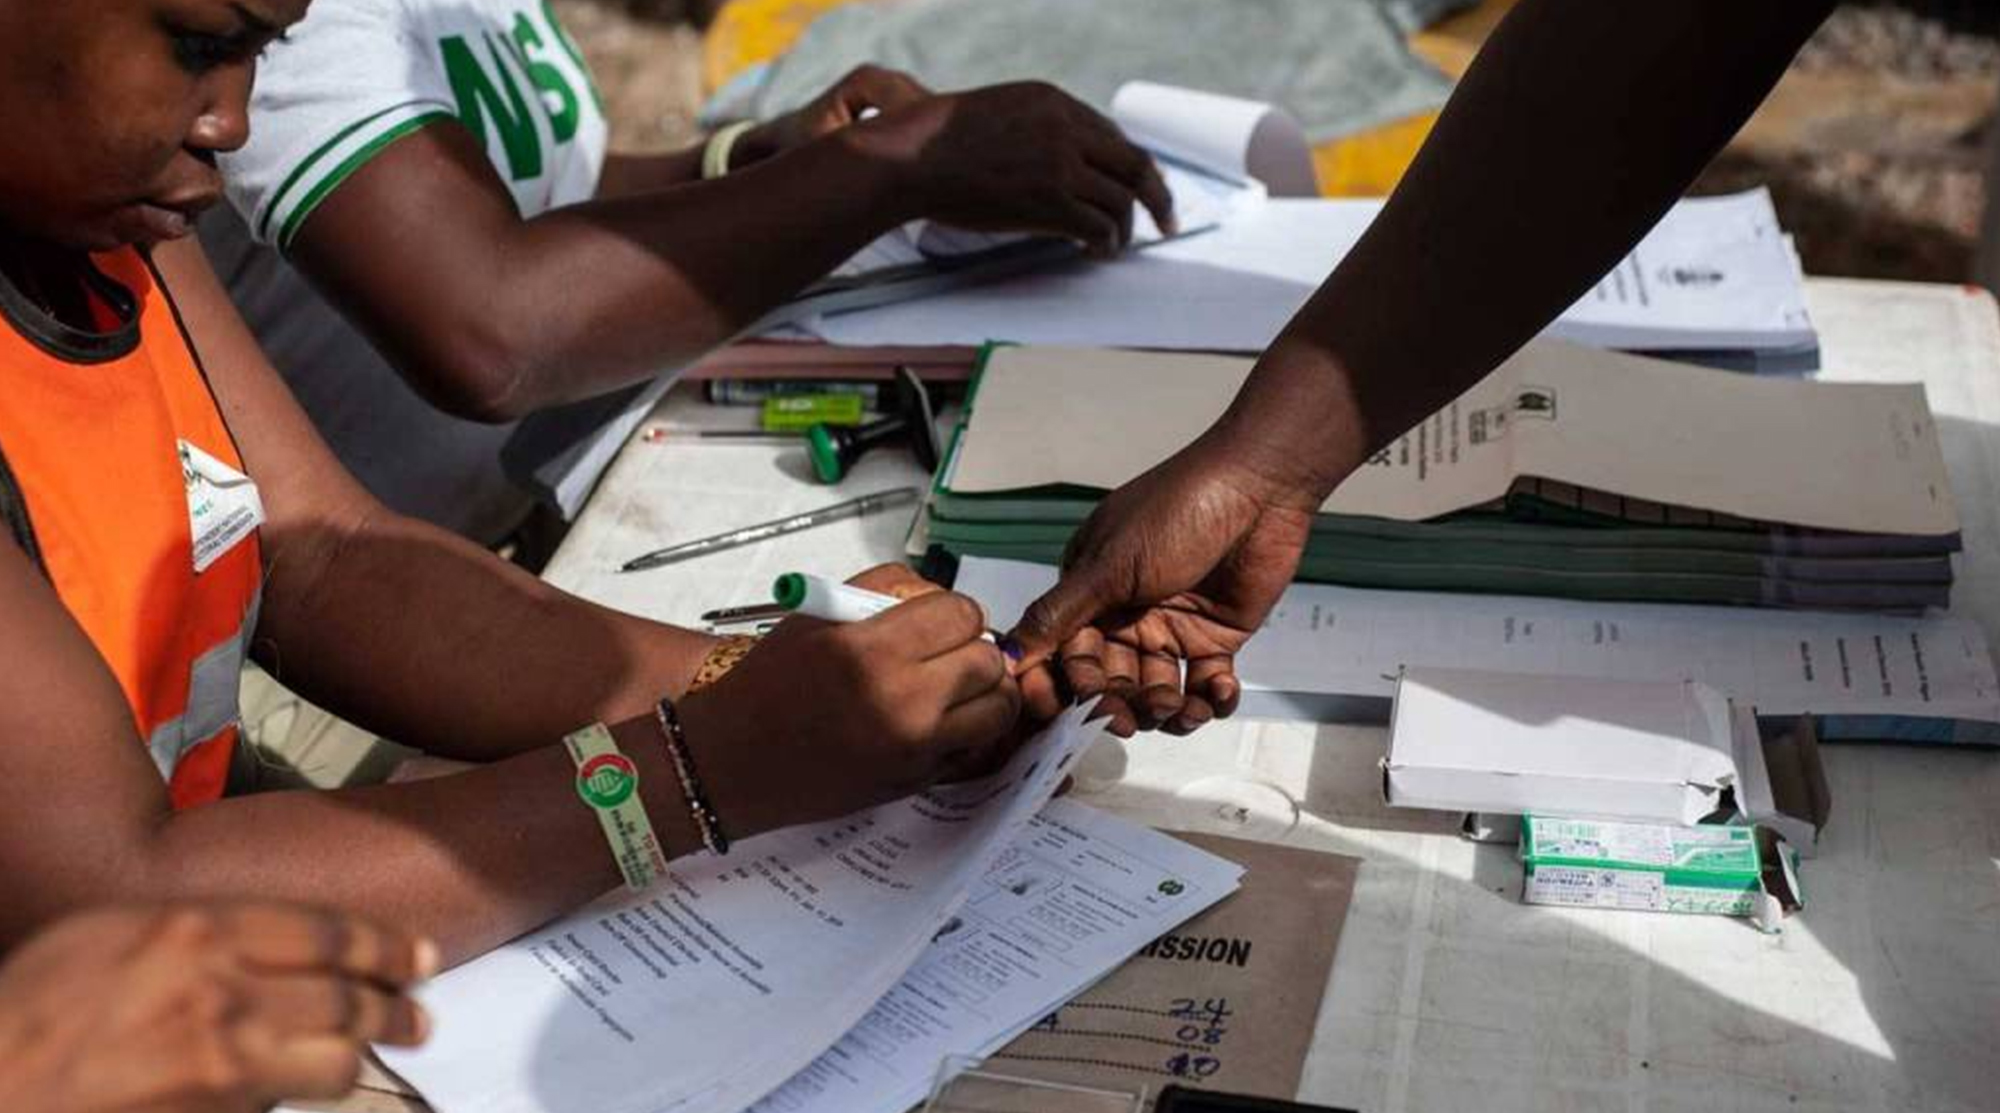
{"x":754,"y":146}
{"x":742,"y":797}
{"x":639,"y":739}
{"x":1295,"y":426}
{"x":895,"y":184}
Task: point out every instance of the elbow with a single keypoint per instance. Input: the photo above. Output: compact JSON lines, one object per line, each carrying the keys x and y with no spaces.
{"x":478,"y":368}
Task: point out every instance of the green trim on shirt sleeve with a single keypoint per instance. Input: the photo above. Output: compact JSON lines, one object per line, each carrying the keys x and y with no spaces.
{"x":306,"y":164}
{"x":347,"y":167}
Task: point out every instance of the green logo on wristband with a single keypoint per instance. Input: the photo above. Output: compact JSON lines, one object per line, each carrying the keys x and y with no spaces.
{"x":607,"y":780}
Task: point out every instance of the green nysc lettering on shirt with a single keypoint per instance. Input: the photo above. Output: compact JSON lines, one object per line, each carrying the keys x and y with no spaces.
{"x":490,"y":99}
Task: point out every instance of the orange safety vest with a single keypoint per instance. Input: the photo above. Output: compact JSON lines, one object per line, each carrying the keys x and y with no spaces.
{"x":92,"y":486}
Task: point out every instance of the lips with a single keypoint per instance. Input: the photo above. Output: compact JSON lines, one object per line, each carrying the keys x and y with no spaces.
{"x":172,"y":217}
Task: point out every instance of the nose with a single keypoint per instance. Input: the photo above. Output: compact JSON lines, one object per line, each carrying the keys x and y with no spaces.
{"x":224,"y":121}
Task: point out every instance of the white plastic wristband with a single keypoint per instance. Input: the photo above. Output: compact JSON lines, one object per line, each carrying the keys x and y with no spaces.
{"x":715,"y":155}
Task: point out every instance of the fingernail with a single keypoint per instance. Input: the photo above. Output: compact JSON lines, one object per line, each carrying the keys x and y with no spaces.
{"x":1012,"y":649}
{"x":428,"y":959}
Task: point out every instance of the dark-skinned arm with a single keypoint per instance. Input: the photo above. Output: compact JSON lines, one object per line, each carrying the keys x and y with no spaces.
{"x":518,"y":661}
{"x":491,"y":316}
{"x":1576,"y":127}
{"x":867,"y":90}
{"x":400,"y":624}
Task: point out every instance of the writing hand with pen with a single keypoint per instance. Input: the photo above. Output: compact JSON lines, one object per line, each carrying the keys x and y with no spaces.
{"x":824,"y":718}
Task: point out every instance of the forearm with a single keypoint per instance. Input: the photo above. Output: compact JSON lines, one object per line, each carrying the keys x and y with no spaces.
{"x":1577,"y":127}
{"x":523,"y":315}
{"x":627,"y":175}
{"x":470,"y":860}
{"x":675,"y":274}
{"x":488,"y":661}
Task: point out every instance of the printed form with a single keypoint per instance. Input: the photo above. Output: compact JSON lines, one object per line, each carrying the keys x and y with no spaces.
{"x":1077,"y":895}
{"x":1326,"y":640}
{"x":705,"y":991}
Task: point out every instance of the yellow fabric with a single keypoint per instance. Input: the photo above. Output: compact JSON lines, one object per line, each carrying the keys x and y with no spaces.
{"x":1367,"y":164}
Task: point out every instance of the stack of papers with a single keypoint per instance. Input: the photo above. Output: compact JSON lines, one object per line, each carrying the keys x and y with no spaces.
{"x":1716,"y":281}
{"x":856,"y":951}
{"x":1568,"y":472}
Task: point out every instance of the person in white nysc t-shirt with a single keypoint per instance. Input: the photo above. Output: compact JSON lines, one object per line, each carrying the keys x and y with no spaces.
{"x":437,"y":170}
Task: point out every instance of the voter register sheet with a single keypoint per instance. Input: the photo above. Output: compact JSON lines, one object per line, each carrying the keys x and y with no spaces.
{"x":712,"y":988}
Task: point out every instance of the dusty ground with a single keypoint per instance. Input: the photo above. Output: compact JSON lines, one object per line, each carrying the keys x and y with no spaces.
{"x":1872,"y":144}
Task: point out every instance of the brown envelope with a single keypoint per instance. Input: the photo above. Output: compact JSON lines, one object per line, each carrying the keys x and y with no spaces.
{"x":1227,"y":1001}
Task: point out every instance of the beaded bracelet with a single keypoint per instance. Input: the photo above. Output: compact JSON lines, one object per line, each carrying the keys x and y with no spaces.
{"x":705,"y":819}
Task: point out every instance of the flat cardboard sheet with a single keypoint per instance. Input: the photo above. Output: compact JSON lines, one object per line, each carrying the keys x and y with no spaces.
{"x":1839,"y":456}
{"x":1226,"y":1001}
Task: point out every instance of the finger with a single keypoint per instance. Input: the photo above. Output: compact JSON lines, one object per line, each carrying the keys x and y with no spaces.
{"x":1195,"y":713}
{"x":1082,"y":663}
{"x":286,"y":1067}
{"x":1096,"y":229}
{"x":1214,"y":680}
{"x":922,"y":628}
{"x":965,"y":673}
{"x":880,"y":88}
{"x":1141,"y":175}
{"x":1083,"y":593}
{"x":1042,"y":697}
{"x":898,"y":580}
{"x":319,"y":1004}
{"x":1122,"y":722}
{"x":1121,"y":670}
{"x":972,"y":731}
{"x":1109,"y":196}
{"x":278,"y":937}
{"x":1159,"y":689}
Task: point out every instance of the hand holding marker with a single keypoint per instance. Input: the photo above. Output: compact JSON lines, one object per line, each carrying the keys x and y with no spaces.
{"x":831,"y":601}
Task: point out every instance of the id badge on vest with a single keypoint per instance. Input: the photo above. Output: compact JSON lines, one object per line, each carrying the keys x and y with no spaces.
{"x":223,"y":505}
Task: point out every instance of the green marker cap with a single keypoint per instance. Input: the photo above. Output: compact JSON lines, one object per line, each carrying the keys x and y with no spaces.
{"x":789,"y":591}
{"x":824,"y":454}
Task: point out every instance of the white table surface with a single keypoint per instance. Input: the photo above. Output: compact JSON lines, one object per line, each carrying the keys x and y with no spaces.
{"x":1448,"y":994}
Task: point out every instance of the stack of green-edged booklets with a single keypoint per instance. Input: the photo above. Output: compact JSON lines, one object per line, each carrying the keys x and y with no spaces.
{"x":1568,"y":472}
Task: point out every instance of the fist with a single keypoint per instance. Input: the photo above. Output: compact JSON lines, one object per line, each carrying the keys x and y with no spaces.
{"x":201,"y":1008}
{"x":864,"y":91}
{"x":823,"y":719}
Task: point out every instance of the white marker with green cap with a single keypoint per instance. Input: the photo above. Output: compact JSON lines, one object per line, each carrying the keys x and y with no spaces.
{"x":828,"y":600}
{"x":832,"y":601}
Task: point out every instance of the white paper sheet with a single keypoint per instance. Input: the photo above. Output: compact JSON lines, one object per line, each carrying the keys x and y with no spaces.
{"x":735,"y":972}
{"x":1080,"y":891}
{"x":1245,"y":141}
{"x":1715,"y":273}
{"x":1215,"y":154}
{"x":1323,"y":640}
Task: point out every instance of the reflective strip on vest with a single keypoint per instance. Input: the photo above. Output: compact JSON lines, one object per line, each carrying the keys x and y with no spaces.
{"x":214,"y":698}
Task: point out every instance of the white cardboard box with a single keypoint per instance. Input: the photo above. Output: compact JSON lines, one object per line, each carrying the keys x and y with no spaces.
{"x":1671,"y":751}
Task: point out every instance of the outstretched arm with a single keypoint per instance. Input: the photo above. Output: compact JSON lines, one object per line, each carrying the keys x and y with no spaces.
{"x":492,"y":316}
{"x":1574,"y":130}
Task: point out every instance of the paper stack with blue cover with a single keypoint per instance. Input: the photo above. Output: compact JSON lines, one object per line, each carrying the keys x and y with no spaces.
{"x":1568,"y":472}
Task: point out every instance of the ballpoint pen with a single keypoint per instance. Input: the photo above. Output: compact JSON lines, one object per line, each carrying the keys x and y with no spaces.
{"x":852,"y":508}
